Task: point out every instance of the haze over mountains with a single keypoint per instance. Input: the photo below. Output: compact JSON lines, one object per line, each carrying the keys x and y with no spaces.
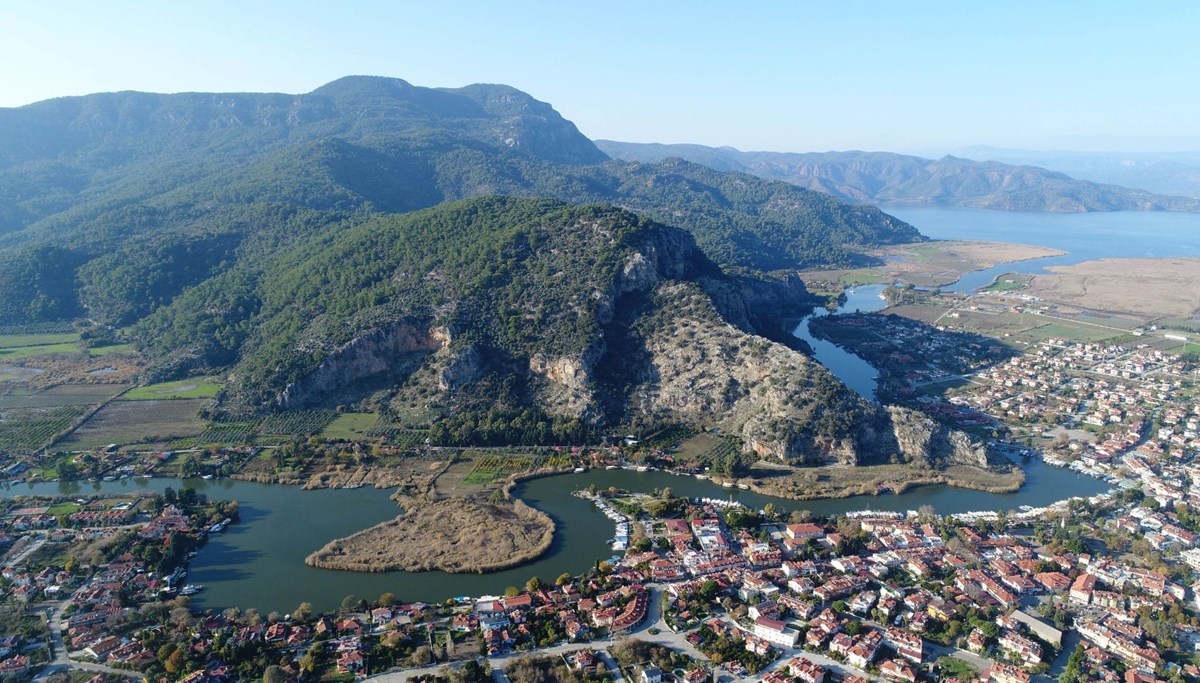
{"x":1175,"y":173}
{"x":884,"y":177}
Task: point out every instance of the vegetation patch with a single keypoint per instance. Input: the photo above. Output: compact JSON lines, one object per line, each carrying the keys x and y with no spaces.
{"x":1007,"y":283}
{"x":453,"y":535}
{"x":351,"y":426}
{"x":200,"y":387}
{"x":23,"y":430}
{"x":297,"y":422}
{"x":489,"y":468}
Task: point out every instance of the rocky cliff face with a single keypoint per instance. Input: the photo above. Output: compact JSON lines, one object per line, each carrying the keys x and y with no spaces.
{"x":920,"y":439}
{"x":672,"y":340}
{"x":385,"y":351}
{"x":704,"y":371}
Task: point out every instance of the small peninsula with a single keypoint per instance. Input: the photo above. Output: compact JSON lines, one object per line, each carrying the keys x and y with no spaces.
{"x":451,"y":535}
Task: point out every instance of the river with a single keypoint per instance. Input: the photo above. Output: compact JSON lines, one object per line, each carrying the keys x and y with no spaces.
{"x":1084,"y":236}
{"x":259,"y":562}
{"x":854,"y":372}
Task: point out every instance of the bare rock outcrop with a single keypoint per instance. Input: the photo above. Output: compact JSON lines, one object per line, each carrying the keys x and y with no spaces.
{"x":371,"y":354}
{"x":920,"y":439}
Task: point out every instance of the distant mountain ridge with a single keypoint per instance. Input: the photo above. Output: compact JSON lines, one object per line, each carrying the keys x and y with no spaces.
{"x":1171,"y":173}
{"x":884,"y":177}
{"x":463,"y":261}
{"x":103,"y":196}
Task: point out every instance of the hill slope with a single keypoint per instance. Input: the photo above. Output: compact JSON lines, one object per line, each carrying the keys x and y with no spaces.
{"x":885,"y":177}
{"x":551,"y":322}
{"x":104,"y":197}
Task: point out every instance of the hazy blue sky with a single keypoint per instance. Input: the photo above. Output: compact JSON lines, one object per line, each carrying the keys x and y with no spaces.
{"x":792,"y":76}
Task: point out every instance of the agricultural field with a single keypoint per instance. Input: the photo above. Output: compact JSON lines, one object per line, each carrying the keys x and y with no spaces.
{"x":200,"y":387}
{"x":61,"y":395}
{"x":397,"y":435}
{"x":667,"y":437}
{"x":722,"y":449}
{"x":692,"y":448}
{"x":1074,"y":333}
{"x":19,"y":352}
{"x":296,"y":422}
{"x":489,"y":468}
{"x":229,"y":433}
{"x":129,"y":422}
{"x":32,"y":345}
{"x":351,"y":426}
{"x":17,"y":340}
{"x":24,"y":430}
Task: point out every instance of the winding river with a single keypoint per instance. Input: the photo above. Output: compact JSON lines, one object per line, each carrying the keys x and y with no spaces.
{"x":260,"y":561}
{"x":855,"y":372}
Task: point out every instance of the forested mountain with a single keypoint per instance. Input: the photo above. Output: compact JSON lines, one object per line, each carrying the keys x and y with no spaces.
{"x":463,"y":260}
{"x":113,"y":204}
{"x":882,"y":177}
{"x":551,"y":322}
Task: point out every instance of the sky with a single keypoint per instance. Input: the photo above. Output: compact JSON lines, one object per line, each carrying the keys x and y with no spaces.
{"x":896,"y":75}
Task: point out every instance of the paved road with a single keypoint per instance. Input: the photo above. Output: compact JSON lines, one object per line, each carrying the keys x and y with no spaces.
{"x":28,"y":550}
{"x":62,"y":661}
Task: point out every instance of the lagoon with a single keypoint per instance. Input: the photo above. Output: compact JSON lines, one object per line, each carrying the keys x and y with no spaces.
{"x":1084,"y":236}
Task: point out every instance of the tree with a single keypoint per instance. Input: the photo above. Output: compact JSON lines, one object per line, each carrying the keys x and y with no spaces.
{"x":190,"y":467}
{"x":66,"y":469}
{"x":422,"y":656}
{"x":533,"y":584}
{"x":303,"y":613}
{"x":274,"y":674}
{"x":563,"y":579}
{"x":800,"y":516}
{"x":512,"y":592}
{"x":387,"y":599}
{"x":1073,"y":671}
{"x":176,"y":662}
{"x":349,"y":603}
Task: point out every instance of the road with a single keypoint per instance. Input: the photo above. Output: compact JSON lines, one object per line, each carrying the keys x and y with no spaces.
{"x":42,"y":536}
{"x":61,"y":661}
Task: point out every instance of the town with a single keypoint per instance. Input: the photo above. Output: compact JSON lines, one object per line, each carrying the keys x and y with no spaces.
{"x":1103,"y":588}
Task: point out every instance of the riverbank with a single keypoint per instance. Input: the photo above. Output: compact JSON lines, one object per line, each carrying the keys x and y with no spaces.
{"x":836,"y":482}
{"x":928,"y":264}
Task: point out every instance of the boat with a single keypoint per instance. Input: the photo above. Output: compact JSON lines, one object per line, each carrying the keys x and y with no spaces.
{"x":191,"y":589}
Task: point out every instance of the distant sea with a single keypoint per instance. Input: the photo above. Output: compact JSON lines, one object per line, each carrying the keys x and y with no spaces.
{"x":1084,"y":236}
